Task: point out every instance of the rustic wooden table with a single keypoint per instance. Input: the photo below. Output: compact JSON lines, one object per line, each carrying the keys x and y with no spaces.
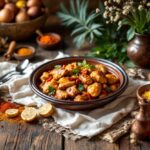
{"x":14,"y":136}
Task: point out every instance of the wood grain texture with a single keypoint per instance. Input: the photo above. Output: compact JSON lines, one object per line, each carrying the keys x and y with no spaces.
{"x":85,"y":144}
{"x":28,"y":137}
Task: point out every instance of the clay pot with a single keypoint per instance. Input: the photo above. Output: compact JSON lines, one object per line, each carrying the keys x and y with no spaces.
{"x":141,"y":126}
{"x":139,"y":50}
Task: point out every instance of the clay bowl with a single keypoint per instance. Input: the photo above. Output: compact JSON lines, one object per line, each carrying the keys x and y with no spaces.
{"x":71,"y":105}
{"x":18,"y":57}
{"x":22,"y":31}
{"x":49,"y":46}
{"x":140,"y":91}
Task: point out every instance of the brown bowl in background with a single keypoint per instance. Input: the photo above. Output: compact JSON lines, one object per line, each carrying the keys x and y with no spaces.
{"x":112,"y":67}
{"x":22,"y":31}
{"x":50,"y":46}
{"x":19,"y":57}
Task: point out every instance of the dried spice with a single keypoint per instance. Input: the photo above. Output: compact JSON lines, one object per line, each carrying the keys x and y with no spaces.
{"x":49,"y":39}
{"x":146,"y":95}
{"x":24,"y":52}
{"x":7,"y":105}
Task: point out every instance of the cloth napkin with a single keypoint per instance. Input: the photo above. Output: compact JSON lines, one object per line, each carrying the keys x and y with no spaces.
{"x":82,"y":123}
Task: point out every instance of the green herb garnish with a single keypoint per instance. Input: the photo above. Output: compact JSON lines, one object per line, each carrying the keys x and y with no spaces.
{"x":80,"y":87}
{"x":51,"y":90}
{"x":58,"y":66}
{"x":86,"y":65}
{"x":75,"y":71}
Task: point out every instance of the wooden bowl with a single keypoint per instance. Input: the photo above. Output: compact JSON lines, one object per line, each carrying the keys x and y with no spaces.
{"x":22,"y":31}
{"x":113,"y":68}
{"x":50,"y":45}
{"x":18,"y":57}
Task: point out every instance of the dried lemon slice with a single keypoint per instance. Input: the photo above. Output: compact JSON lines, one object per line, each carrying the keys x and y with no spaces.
{"x":29,"y":114}
{"x":46,"y":110}
{"x":12,"y":113}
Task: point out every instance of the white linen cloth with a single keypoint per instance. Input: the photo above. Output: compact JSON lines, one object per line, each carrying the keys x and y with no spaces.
{"x":89,"y":123}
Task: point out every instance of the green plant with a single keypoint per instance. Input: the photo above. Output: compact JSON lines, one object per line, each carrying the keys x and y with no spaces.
{"x":134,"y":13}
{"x":139,"y":22}
{"x":83,"y":23}
{"x":112,"y":45}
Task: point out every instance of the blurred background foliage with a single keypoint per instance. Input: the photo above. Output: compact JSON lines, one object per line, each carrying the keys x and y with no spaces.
{"x":89,"y":26}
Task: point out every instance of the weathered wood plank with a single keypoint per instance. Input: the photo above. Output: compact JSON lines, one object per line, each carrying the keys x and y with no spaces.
{"x":84,"y":144}
{"x":28,"y":137}
{"x":145,"y":145}
{"x":124,"y":144}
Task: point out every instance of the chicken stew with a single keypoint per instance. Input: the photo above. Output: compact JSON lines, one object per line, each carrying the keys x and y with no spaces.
{"x":79,"y":81}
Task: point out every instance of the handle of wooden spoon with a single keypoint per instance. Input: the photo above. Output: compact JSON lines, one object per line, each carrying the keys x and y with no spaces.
{"x":38,"y":32}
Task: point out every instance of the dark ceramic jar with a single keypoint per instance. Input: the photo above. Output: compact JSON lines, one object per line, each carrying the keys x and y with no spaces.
{"x":139,"y":50}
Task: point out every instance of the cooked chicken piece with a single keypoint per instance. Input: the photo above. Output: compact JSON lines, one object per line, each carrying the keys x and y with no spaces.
{"x":85,"y":71}
{"x":60,"y":94}
{"x":85,"y":79}
{"x":114,"y":87}
{"x":63,"y":80}
{"x":111,"y":78}
{"x":98,"y":76}
{"x":44,"y":76}
{"x":94,"y":89}
{"x":79,"y":98}
{"x":84,"y":97}
{"x":71,"y":66}
{"x":53,"y":83}
{"x":101,"y":68}
{"x":72,"y":91}
{"x":58,"y":73}
{"x":65,"y":85}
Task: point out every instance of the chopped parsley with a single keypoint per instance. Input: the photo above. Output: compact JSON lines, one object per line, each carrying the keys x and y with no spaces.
{"x":51,"y":90}
{"x":75,"y":71}
{"x":84,"y":64}
{"x":80,"y":87}
{"x":58,"y":66}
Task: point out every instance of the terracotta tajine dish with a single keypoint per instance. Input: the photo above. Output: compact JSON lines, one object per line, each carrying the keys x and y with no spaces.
{"x":75,"y":105}
{"x":141,"y":126}
{"x":49,"y":41}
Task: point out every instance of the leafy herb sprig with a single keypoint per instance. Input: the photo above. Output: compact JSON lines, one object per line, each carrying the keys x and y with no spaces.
{"x":51,"y":90}
{"x":75,"y":71}
{"x":84,"y":24}
{"x":57,"y":66}
{"x":80,"y":87}
{"x":86,"y":65}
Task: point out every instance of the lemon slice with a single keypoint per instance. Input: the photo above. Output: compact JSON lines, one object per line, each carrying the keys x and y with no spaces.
{"x":12,"y":113}
{"x":46,"y":110}
{"x":29,"y":114}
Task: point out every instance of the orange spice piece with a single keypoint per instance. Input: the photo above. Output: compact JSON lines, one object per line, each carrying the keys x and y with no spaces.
{"x":24,"y":52}
{"x":7,"y":105}
{"x":48,"y":39}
